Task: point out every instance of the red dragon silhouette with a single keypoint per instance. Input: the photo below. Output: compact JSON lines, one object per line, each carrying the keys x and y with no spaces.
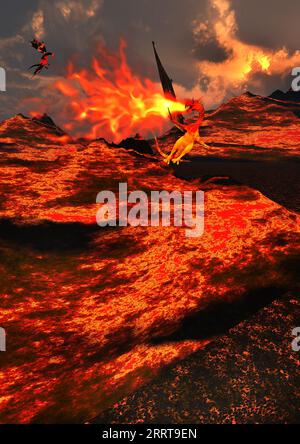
{"x":44,"y":63}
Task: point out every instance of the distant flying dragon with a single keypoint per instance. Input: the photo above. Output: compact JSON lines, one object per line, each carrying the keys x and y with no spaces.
{"x":44,"y":63}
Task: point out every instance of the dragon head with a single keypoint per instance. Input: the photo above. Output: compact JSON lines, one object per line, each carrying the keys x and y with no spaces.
{"x":193,"y":105}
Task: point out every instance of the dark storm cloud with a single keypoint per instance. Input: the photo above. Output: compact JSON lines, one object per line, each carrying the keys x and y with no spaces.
{"x":210,"y":51}
{"x":270,"y":23}
{"x":14,"y":15}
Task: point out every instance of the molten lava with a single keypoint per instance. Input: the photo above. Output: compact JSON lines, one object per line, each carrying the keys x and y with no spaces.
{"x":109,"y":100}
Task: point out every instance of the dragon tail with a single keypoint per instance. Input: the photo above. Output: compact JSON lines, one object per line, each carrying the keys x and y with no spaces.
{"x":159,"y":150}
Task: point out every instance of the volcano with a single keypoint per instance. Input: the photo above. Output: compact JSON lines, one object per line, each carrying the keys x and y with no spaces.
{"x":41,"y":131}
{"x":94,"y":314}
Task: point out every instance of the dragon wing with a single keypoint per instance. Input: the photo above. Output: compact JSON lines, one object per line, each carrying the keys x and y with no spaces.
{"x":39,"y":46}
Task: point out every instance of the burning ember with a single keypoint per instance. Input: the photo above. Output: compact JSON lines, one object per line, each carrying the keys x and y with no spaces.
{"x":109,"y":100}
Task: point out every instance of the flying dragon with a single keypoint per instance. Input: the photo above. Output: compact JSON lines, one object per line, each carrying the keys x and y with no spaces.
{"x":44,"y":63}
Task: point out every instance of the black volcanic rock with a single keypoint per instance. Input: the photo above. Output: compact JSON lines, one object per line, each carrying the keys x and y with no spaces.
{"x":249,"y":94}
{"x":247,"y":376}
{"x":289,"y":96}
{"x":137,"y":144}
{"x":278,"y":95}
{"x":44,"y":119}
{"x":22,"y":116}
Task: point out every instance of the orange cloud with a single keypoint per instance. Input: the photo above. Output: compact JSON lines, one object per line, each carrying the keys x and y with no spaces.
{"x":37,"y":24}
{"x":77,"y":10}
{"x":236,"y":73}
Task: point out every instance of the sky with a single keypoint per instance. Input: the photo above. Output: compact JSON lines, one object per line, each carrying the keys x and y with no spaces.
{"x":213,"y":49}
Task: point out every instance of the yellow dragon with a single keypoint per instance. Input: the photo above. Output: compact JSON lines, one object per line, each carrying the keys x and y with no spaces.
{"x":191,"y":135}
